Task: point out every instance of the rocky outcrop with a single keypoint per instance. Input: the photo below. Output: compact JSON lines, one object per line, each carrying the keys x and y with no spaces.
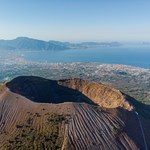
{"x":100,"y":94}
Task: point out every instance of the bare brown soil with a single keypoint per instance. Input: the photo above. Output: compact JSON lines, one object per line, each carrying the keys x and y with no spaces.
{"x":37,"y":113}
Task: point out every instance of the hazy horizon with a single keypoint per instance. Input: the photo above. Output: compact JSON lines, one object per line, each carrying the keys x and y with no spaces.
{"x":80,"y":41}
{"x":80,"y":20}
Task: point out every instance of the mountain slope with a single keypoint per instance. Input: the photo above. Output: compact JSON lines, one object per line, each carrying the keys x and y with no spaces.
{"x":37,"y":113}
{"x":25,"y":43}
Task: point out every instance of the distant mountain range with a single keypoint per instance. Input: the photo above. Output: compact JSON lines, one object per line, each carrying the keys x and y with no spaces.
{"x":25,"y":43}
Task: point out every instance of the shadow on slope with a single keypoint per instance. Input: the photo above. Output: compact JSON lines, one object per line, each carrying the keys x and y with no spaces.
{"x":42,"y":90}
{"x":141,"y":108}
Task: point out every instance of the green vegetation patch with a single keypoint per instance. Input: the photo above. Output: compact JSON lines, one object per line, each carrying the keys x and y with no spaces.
{"x":29,"y":138}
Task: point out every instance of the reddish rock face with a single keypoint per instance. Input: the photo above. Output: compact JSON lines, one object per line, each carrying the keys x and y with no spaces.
{"x":69,"y":114}
{"x":72,"y":90}
{"x":100,"y":94}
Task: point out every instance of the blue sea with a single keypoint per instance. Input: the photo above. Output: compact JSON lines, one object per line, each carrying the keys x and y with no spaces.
{"x":133,"y":56}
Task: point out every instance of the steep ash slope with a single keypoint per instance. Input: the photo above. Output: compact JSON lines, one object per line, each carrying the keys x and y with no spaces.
{"x":37,"y":113}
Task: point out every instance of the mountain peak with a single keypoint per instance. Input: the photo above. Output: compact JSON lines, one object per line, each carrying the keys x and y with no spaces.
{"x":59,"y":114}
{"x":69,"y":90}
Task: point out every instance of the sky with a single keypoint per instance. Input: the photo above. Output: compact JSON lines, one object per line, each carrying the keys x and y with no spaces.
{"x":76,"y":20}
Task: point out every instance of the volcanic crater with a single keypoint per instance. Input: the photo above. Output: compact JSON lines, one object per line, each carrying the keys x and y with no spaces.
{"x":38,"y":113}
